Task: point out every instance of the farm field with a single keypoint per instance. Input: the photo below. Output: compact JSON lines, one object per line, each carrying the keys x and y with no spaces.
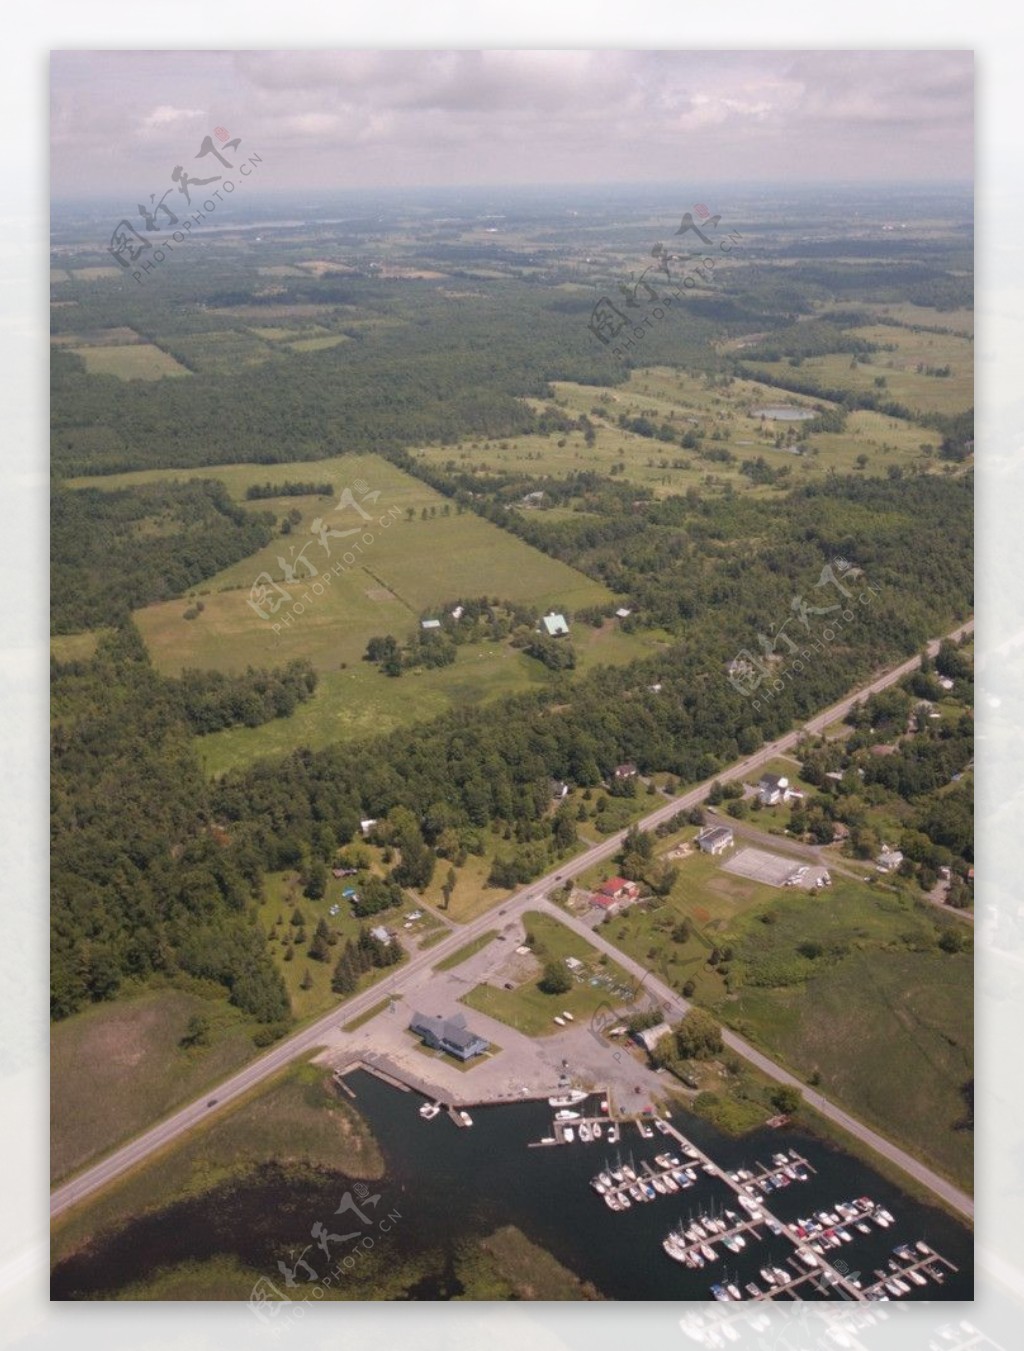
{"x":410,"y":565}
{"x":685,"y":401}
{"x":118,"y":1067}
{"x":527,"y":1008}
{"x":903,"y":383}
{"x":130,"y":361}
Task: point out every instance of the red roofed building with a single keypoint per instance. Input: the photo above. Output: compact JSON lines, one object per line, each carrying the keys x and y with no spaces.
{"x":615,"y":893}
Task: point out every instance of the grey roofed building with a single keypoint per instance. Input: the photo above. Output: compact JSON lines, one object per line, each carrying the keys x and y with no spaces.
{"x":715,"y":839}
{"x":448,"y":1034}
{"x":650,"y":1036}
{"x":555,"y":625}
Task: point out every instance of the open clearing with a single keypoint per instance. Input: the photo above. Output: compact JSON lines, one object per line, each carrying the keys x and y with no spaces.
{"x":119,"y":1067}
{"x":136,"y":362}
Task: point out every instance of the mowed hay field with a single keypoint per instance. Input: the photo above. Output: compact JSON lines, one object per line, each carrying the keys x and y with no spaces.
{"x":121,"y":352}
{"x":407,"y":566}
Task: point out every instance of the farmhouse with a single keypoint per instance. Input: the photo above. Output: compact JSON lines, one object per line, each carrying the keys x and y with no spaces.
{"x":448,"y":1034}
{"x":650,"y":1036}
{"x":715,"y":840}
{"x":381,"y":934}
{"x":773,"y":788}
{"x":555,"y":625}
{"x":888,"y":860}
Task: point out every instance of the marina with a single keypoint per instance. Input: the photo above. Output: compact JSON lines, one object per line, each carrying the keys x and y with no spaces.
{"x":455,"y":1186}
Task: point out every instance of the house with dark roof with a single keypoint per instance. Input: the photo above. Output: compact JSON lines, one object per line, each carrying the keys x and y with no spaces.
{"x":773,"y":788}
{"x":448,"y":1034}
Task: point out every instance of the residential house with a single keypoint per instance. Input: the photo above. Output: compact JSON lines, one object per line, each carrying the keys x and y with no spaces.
{"x":626,"y":771}
{"x":715,"y":840}
{"x":773,"y":789}
{"x":622,"y":612}
{"x":559,"y":790}
{"x":429,"y":624}
{"x":381,"y":934}
{"x":888,"y":860}
{"x":448,"y":1034}
{"x":555,"y":625}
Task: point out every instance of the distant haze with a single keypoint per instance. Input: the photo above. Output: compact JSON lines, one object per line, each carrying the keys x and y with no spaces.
{"x":121,"y":121}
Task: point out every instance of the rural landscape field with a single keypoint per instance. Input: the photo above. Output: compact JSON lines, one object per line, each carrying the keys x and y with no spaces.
{"x":508,"y":668}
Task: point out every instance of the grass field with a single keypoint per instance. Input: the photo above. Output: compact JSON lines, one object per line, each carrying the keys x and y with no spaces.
{"x":296,"y":1121}
{"x":407,"y":566}
{"x":463,"y":954}
{"x":891,"y":1036}
{"x":903,"y":383}
{"x":75,"y":646}
{"x":132,"y":361}
{"x":117,"y":1068}
{"x":848,"y":984}
{"x":685,"y":401}
{"x":527,"y":1008}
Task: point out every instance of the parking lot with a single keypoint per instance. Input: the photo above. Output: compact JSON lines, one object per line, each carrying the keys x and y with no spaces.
{"x":776,"y":870}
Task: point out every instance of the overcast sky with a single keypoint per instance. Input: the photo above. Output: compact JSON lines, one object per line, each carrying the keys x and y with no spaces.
{"x":123,"y":120}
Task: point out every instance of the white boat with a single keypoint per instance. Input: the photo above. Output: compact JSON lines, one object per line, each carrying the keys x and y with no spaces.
{"x":645,"y":1131}
{"x":568,"y":1017}
{"x":559,"y":1021}
{"x":569,"y":1099}
{"x":923,"y":1247}
{"x":708,"y":1253}
{"x":567,"y":1135}
{"x":467,"y":1120}
{"x":807,"y":1257}
{"x":613,"y":1133}
{"x":566,"y":1115}
{"x":585,"y":1133}
{"x":429,"y":1110}
{"x":916,"y":1277}
{"x":596,"y":1130}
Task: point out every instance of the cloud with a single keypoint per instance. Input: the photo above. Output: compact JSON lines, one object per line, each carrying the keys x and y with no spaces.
{"x":165,"y":116}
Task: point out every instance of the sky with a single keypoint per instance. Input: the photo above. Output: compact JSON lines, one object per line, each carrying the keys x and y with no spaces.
{"x":122,"y":120}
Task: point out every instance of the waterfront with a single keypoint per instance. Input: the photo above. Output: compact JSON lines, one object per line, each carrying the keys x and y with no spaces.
{"x":452,"y":1184}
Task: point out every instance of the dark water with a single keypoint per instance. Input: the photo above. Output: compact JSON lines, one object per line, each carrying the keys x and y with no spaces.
{"x":449,"y":1184}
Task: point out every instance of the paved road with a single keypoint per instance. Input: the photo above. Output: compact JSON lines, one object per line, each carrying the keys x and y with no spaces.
{"x":309,"y":1038}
